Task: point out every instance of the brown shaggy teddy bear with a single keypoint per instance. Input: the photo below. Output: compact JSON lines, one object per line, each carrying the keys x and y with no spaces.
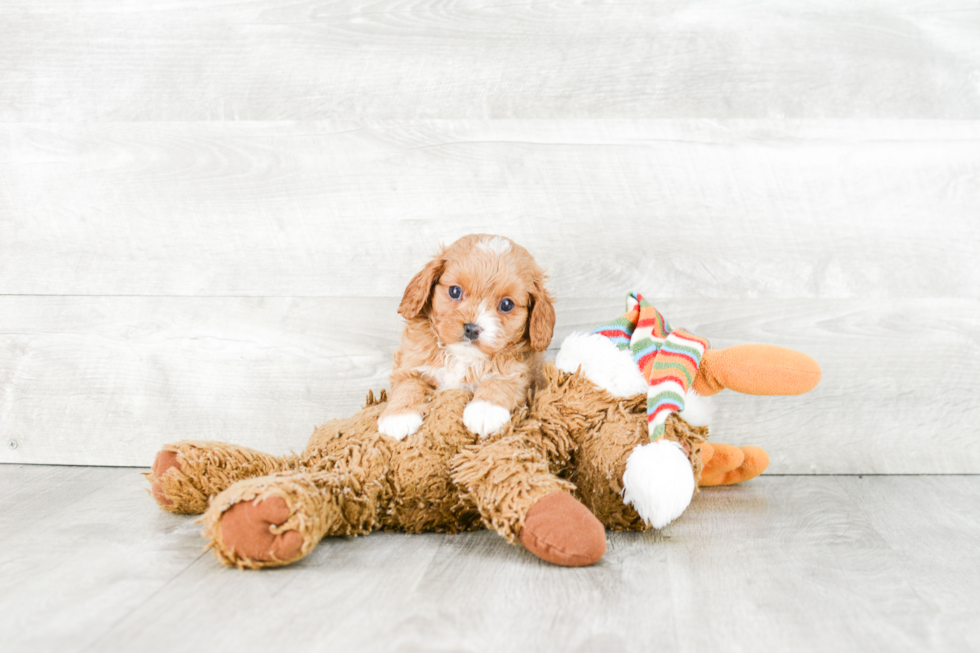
{"x":614,"y":437}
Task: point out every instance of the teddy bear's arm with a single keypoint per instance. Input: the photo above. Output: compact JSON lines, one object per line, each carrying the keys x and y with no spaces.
{"x":186,"y":474}
{"x":274,"y":520}
{"x":514,"y":486}
{"x":504,"y":477}
{"x":514,"y":478}
{"x":495,"y":399}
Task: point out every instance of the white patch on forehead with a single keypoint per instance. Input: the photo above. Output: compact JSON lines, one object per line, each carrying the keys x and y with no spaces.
{"x":495,"y":244}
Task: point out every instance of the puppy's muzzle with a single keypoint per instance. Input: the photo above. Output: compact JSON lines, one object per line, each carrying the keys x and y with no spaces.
{"x":471,"y":331}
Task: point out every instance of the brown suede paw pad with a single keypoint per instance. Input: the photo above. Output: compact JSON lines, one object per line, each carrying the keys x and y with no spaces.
{"x":163,"y":462}
{"x":245,"y":529}
{"x":560,"y":530}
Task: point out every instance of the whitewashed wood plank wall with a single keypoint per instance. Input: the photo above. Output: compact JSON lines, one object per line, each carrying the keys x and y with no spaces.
{"x":208,"y":211}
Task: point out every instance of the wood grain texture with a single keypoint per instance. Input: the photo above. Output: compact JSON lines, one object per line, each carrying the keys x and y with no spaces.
{"x":266,"y":60}
{"x":828,"y":209}
{"x":781,"y":563}
{"x":88,"y":524}
{"x":209,"y":209}
{"x":107,"y":380}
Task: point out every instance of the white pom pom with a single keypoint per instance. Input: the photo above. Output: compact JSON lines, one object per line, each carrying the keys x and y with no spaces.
{"x":658,"y":482}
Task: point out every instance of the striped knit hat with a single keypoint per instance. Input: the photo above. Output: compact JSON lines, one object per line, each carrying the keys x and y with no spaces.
{"x":668,"y":358}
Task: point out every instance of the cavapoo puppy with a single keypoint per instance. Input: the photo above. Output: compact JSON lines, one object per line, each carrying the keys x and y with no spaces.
{"x":478,"y":317}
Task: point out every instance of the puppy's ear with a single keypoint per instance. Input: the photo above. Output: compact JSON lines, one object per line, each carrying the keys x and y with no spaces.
{"x":541,"y":324}
{"x":420,"y":288}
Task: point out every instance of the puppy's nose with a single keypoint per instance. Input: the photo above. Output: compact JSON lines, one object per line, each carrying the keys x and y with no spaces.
{"x":471,"y":331}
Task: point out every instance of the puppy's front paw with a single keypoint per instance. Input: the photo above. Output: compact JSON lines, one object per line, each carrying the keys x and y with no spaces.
{"x":483,"y":418}
{"x":399,"y":425}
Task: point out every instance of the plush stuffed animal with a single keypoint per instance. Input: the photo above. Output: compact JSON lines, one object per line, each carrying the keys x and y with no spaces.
{"x":606,"y":441}
{"x":623,"y":417}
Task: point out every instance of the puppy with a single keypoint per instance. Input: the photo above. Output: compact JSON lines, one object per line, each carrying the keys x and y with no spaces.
{"x":478,"y":317}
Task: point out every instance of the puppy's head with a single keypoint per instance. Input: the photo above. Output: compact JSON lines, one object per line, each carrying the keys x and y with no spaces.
{"x":484,"y":292}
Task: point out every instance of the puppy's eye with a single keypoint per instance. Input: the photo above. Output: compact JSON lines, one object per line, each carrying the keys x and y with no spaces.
{"x":506,"y":306}
{"x":455,"y":292}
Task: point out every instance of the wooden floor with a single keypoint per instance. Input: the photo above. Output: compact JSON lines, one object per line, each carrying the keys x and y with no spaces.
{"x":209,"y":211}
{"x":822,"y":563}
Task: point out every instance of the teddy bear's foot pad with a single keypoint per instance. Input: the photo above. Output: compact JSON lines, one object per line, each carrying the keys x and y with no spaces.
{"x":247,"y":529}
{"x":163,"y":462}
{"x":560,"y":530}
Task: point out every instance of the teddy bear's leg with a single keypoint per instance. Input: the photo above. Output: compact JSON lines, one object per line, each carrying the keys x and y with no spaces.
{"x":756,"y":370}
{"x":518,"y":495}
{"x":600,"y":464}
{"x":725,"y":464}
{"x":274,"y":520}
{"x":186,"y":474}
{"x":617,"y":481}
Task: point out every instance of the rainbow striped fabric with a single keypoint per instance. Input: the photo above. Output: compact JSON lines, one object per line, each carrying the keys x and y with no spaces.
{"x":667,"y":358}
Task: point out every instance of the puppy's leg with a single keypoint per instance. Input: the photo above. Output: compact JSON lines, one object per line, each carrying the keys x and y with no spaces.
{"x":407,"y":405}
{"x":493,"y":402}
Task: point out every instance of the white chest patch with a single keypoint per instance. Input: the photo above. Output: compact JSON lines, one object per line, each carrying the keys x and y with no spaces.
{"x":464,"y":368}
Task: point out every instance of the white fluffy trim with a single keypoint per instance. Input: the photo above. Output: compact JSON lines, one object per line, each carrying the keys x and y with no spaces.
{"x":609,"y":367}
{"x":658,"y":482}
{"x":614,"y":370}
{"x":698,"y":409}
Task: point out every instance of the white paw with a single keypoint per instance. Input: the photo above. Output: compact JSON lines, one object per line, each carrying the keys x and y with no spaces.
{"x":483,"y":418}
{"x":399,"y":425}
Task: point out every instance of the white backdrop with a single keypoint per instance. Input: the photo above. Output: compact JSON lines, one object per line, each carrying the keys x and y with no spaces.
{"x":208,"y":211}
